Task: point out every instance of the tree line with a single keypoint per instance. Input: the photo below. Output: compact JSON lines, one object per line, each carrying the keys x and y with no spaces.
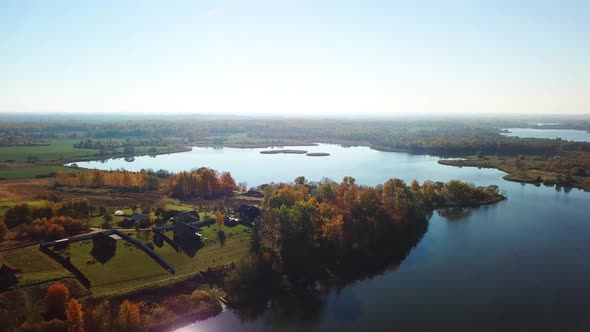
{"x":203,"y":182}
{"x":141,"y":180}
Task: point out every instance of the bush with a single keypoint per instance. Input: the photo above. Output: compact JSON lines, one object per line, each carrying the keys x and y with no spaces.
{"x":54,"y":325}
{"x":18,"y":214}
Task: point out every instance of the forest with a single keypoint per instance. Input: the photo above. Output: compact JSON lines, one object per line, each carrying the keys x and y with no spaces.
{"x":452,"y":137}
{"x":310,"y":228}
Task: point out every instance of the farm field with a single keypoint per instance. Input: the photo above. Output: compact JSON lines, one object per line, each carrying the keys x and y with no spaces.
{"x":55,"y":150}
{"x":35,"y":266}
{"x":31,"y":172}
{"x":130,"y":268}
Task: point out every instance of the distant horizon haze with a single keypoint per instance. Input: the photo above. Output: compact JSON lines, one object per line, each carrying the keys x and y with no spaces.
{"x":295,"y":58}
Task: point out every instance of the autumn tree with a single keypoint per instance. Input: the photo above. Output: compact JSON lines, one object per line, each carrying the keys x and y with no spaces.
{"x":108,"y":218}
{"x":3,"y":231}
{"x":349,"y":180}
{"x":75,"y":317}
{"x":332,"y":230}
{"x":428,"y":190}
{"x":129,"y":319}
{"x":227,"y":184}
{"x":101,"y":316}
{"x":219,"y":218}
{"x":414,"y":186}
{"x":56,"y":299}
{"x":301,"y":180}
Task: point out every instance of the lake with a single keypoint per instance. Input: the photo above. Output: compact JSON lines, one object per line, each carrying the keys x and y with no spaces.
{"x":522,"y":264}
{"x":564,"y":134}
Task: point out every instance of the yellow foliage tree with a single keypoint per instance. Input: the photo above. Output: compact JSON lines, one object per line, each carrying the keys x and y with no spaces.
{"x":414,"y":186}
{"x":129,"y":319}
{"x":219,"y":218}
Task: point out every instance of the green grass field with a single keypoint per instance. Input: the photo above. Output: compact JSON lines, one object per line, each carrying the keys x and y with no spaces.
{"x":4,"y":205}
{"x":31,"y":172}
{"x":56,"y":150}
{"x":36,"y":266}
{"x":131,"y":268}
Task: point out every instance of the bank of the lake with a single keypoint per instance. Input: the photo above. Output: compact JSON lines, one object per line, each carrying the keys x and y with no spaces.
{"x":520,"y":264}
{"x":548,"y":133}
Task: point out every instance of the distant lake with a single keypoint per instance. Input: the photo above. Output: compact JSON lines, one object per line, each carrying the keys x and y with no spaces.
{"x":564,"y":134}
{"x":520,"y":265}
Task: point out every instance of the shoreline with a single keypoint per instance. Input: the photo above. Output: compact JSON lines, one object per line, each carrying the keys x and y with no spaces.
{"x":530,"y":176}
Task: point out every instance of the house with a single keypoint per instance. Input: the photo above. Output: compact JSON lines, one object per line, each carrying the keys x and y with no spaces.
{"x":137,"y":217}
{"x":186,"y":232}
{"x":231,"y":221}
{"x":105,"y":242}
{"x":188,"y":238}
{"x":187,"y":216}
{"x":248,"y":212}
{"x":126,"y":223}
{"x":254,"y":193}
{"x":8,"y":276}
{"x":104,"y":246}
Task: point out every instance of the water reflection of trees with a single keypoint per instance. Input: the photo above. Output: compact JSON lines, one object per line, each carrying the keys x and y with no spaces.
{"x":289,"y":299}
{"x":454,"y":213}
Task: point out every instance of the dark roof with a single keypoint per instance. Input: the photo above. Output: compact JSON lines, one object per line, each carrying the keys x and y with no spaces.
{"x":183,"y":227}
{"x":7,"y":276}
{"x":137,"y":216}
{"x":6,"y":269}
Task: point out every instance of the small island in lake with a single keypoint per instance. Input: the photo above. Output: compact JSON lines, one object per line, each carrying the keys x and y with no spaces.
{"x":283,"y":151}
{"x":310,"y":154}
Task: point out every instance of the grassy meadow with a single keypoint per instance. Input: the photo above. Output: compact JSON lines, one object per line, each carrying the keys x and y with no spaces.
{"x":55,"y":150}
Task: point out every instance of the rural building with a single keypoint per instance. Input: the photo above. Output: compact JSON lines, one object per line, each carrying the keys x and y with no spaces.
{"x":61,"y":244}
{"x":102,"y":241}
{"x":137,"y":217}
{"x":8,"y":276}
{"x":248,"y":212}
{"x":187,"y":216}
{"x":104,"y":246}
{"x":186,"y":232}
{"x":231,"y":221}
{"x":254,"y":193}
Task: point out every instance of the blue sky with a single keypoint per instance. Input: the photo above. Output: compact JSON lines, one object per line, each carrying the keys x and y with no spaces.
{"x":295,"y":57}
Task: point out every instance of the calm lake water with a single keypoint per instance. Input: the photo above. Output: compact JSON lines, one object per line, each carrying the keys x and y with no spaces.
{"x":564,"y":134}
{"x":520,"y":265}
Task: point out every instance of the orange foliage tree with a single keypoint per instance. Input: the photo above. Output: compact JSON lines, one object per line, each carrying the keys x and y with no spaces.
{"x":56,"y":299}
{"x":219,"y":218}
{"x":75,"y":318}
{"x":129,"y":319}
{"x":203,"y":182}
{"x":98,"y":178}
